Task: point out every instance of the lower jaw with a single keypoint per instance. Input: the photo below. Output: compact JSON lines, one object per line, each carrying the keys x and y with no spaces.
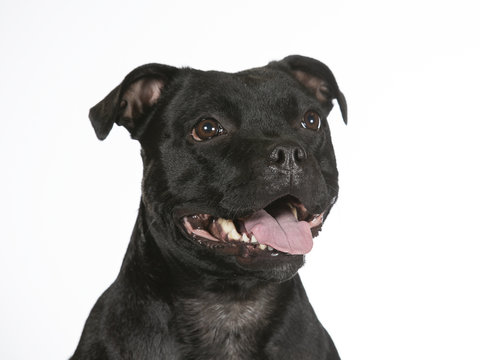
{"x":243,"y":250}
{"x":277,"y":267}
{"x":252,"y":258}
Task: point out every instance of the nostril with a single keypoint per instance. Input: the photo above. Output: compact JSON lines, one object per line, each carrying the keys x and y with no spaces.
{"x":299,"y":154}
{"x":280,"y":156}
{"x":288,"y":156}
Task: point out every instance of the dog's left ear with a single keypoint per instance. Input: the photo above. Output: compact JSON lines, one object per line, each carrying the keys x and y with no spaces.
{"x":131,"y":103}
{"x":316,"y":77}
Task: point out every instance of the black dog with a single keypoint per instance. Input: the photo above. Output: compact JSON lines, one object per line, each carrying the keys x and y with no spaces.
{"x":239,"y":173}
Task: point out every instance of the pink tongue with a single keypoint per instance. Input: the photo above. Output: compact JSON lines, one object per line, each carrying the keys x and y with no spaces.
{"x":282,"y":231}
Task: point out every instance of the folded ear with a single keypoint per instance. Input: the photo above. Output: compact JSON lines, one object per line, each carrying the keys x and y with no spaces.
{"x":318,"y":78}
{"x":131,"y":103}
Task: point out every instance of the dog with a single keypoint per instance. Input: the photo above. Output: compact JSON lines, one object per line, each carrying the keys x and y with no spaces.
{"x":239,"y":174}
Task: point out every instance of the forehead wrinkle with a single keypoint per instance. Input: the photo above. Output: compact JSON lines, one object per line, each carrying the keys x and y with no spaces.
{"x":246,"y":99}
{"x":208,"y":102}
{"x":270,"y":111}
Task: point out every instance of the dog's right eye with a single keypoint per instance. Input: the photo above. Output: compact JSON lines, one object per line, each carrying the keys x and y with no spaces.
{"x":205,"y":129}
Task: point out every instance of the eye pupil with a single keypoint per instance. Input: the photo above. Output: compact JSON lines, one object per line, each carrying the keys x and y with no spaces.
{"x":208,"y":128}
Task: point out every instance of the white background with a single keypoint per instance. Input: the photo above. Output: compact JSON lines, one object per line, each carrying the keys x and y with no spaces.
{"x":394,"y":274}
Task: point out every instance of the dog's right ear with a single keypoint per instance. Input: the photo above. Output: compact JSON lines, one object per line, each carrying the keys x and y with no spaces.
{"x":131,"y":103}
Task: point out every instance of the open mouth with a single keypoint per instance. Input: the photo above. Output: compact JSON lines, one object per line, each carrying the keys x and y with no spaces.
{"x":284,"y":227}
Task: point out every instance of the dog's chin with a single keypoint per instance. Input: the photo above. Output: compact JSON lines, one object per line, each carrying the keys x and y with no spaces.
{"x":270,"y":243}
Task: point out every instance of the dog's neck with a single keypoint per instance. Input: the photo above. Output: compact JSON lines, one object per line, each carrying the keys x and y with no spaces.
{"x":236,"y":320}
{"x":238,"y":311}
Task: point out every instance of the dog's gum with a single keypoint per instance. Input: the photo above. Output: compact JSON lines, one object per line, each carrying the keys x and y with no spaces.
{"x":197,"y":232}
{"x":199,"y":221}
{"x":228,"y":250}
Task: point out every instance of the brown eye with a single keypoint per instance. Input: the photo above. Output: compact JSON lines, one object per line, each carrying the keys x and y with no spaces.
{"x":311,"y":120}
{"x":206,"y":129}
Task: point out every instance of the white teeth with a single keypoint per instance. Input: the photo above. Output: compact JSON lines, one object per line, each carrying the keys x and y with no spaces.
{"x":234,"y":235}
{"x":294,"y":210}
{"x":227,"y":225}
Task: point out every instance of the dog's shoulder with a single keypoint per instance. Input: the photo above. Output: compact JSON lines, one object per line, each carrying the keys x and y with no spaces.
{"x":121,"y":320}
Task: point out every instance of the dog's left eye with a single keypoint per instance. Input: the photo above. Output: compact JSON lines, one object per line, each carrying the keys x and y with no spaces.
{"x":311,"y":120}
{"x":205,"y":129}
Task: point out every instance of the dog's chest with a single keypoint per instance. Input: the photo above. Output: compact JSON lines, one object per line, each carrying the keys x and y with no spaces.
{"x":222,"y":329}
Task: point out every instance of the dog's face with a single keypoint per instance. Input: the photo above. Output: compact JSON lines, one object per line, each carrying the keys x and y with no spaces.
{"x":239,"y":169}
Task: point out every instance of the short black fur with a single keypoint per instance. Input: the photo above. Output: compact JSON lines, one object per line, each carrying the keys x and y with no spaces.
{"x":175,"y":298}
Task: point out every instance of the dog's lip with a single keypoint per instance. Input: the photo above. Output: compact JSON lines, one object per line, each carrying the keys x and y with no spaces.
{"x":229,"y":238}
{"x":180,"y":212}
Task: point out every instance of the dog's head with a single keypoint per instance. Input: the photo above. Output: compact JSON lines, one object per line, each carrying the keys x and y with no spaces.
{"x":239,"y":169}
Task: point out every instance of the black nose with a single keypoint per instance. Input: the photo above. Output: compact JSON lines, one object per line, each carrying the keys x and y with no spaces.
{"x":288,"y":156}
